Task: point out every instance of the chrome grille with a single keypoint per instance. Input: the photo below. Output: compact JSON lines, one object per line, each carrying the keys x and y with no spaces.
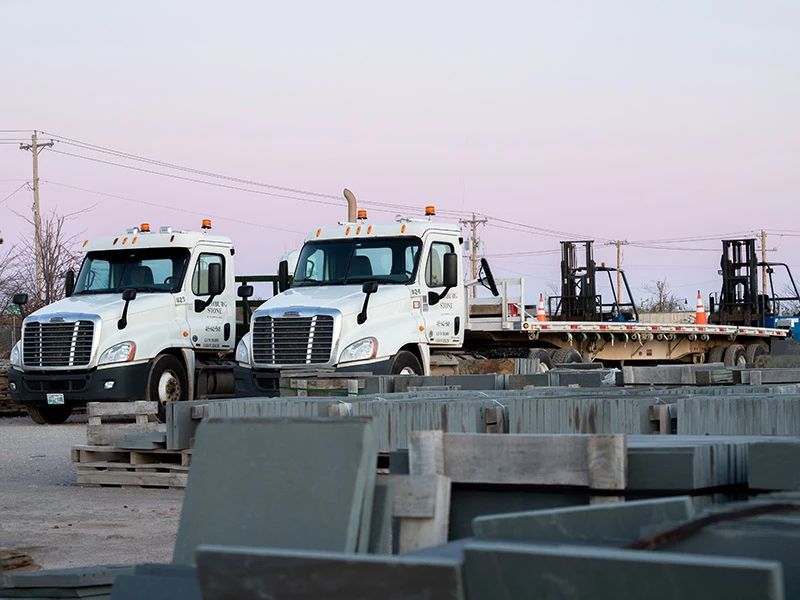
{"x":59,"y":344}
{"x":293,"y":340}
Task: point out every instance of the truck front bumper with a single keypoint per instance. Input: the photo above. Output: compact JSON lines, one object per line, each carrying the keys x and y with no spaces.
{"x":129,"y":383}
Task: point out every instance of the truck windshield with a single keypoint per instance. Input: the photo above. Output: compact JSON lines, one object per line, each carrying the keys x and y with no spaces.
{"x":342,"y":262}
{"x":145,"y":270}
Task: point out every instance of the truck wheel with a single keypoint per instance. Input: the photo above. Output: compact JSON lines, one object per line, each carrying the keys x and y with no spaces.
{"x":566,"y":355}
{"x":46,"y":414}
{"x":545,"y":362}
{"x":167,"y":383}
{"x":405,"y":363}
{"x":753,"y":351}
{"x":735,"y":356}
{"x":716,"y":354}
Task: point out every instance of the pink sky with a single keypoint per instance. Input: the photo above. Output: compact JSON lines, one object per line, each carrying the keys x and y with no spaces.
{"x":598,"y":120}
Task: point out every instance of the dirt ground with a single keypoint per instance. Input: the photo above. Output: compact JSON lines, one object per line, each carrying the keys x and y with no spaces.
{"x":45,"y":513}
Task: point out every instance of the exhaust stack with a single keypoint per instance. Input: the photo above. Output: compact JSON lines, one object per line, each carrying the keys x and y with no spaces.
{"x":351,"y":206}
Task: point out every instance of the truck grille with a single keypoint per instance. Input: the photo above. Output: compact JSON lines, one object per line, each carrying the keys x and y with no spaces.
{"x":293,"y":340}
{"x":61,"y":344}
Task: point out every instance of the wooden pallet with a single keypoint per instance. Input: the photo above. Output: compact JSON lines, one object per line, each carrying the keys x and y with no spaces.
{"x":108,"y":466}
{"x":141,"y":413}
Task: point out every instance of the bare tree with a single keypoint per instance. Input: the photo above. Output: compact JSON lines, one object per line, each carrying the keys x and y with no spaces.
{"x":18,"y":271}
{"x":662,"y":298}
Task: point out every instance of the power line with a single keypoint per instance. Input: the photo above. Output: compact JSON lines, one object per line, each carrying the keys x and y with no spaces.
{"x":13,"y":193}
{"x":191,"y":212}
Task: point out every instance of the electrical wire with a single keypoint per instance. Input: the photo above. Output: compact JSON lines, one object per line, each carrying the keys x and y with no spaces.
{"x":4,"y":200}
{"x":182,"y":210}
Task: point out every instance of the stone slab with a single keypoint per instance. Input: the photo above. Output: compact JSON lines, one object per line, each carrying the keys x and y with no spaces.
{"x":57,"y":592}
{"x":227,"y":572}
{"x":602,"y":524}
{"x":770,"y":537}
{"x":380,"y":532}
{"x":71,"y":577}
{"x":581,"y":572}
{"x":773,"y":466}
{"x":154,"y":587}
{"x":297,"y":484}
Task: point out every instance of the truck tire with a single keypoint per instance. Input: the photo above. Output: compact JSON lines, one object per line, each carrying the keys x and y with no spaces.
{"x":167,"y":383}
{"x":47,"y":414}
{"x":735,"y":356}
{"x":753,"y":351}
{"x":405,"y":363}
{"x":716,"y":354}
{"x":545,"y":361}
{"x":566,"y":355}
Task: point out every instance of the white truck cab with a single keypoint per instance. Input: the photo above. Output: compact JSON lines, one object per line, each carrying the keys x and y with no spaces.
{"x":365,"y":297}
{"x":146,"y":312}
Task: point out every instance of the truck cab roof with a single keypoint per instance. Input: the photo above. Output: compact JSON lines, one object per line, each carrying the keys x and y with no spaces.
{"x":164,"y":238}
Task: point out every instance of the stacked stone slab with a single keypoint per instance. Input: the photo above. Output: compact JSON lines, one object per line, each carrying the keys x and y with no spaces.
{"x":288,"y":483}
{"x":93,"y":583}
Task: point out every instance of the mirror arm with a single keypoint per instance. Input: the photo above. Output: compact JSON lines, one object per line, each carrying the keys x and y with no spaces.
{"x":434,"y":297}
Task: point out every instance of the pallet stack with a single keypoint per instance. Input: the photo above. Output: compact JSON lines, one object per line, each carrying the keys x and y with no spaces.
{"x":130,"y":453}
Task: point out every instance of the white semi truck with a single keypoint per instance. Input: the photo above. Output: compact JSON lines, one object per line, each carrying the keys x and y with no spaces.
{"x":151,"y":315}
{"x":393,"y":298}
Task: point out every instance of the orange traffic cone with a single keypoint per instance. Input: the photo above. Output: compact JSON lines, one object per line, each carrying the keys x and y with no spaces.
{"x":700,"y":315}
{"x":540,"y":316}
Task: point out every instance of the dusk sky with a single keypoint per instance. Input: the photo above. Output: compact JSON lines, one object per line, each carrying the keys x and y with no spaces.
{"x":653,"y":123}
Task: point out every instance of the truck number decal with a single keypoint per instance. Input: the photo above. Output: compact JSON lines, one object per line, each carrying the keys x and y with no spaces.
{"x":180,"y":300}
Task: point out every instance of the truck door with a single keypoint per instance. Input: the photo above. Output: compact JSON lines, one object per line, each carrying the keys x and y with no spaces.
{"x":213,"y":327}
{"x":444,"y":323}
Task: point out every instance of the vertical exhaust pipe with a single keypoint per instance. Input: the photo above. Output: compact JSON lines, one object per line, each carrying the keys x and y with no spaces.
{"x":352,"y":209}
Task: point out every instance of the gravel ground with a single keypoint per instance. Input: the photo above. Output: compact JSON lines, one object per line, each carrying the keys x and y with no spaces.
{"x":44,"y":513}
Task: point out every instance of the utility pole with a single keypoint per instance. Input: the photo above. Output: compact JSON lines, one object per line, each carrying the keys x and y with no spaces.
{"x":35,"y":148}
{"x":619,"y":244}
{"x":763,"y":260}
{"x":473,"y":248}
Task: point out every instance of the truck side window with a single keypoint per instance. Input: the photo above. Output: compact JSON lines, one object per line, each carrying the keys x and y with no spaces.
{"x":200,"y":275}
{"x":434,"y":269}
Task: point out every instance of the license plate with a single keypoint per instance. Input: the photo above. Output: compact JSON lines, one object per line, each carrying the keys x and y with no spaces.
{"x":55,"y":398}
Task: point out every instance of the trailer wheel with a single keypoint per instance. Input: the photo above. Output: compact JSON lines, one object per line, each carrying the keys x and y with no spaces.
{"x":566,"y":356}
{"x":167,"y":383}
{"x":405,"y":363}
{"x":716,"y":354}
{"x":47,"y":414}
{"x":753,"y":351}
{"x":545,"y":360}
{"x":735,"y":356}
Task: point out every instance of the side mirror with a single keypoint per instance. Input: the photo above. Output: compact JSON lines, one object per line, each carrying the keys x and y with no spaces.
{"x":127,"y":295}
{"x":283,"y":275}
{"x":369,"y":288}
{"x":20,"y":299}
{"x":214,"y":279}
{"x":450,"y":270}
{"x":245,"y":291}
{"x":69,"y":283}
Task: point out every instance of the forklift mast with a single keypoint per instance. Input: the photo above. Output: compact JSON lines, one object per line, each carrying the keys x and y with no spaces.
{"x":579,"y":300}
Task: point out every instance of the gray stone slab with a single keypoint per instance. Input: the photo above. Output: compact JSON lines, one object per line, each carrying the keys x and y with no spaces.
{"x":298,"y":484}
{"x":581,"y":572}
{"x":57,"y":592}
{"x":166,"y":570}
{"x":236,"y":572}
{"x":468,"y":501}
{"x":380,"y":533}
{"x":181,"y":427}
{"x":770,"y":537}
{"x":773,"y":466}
{"x":154,"y":587}
{"x":601,"y":524}
{"x":72,"y":577}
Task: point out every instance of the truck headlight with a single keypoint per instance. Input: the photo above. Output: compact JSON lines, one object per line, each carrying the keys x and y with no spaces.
{"x":16,"y":354}
{"x":118,"y":353}
{"x":360,"y":350}
{"x":243,"y":353}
